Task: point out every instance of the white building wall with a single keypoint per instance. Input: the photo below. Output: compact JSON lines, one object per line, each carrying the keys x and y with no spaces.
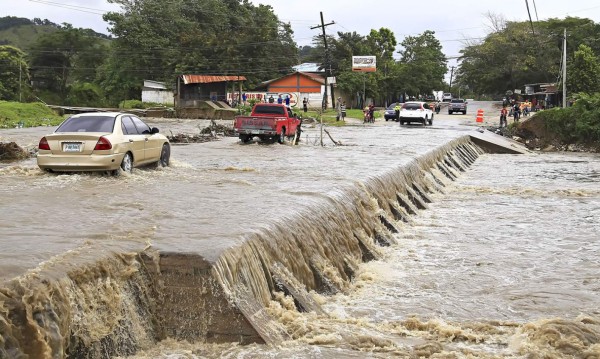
{"x":158,"y":96}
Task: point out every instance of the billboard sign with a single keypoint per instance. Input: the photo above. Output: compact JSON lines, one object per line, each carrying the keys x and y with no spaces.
{"x":364,"y":63}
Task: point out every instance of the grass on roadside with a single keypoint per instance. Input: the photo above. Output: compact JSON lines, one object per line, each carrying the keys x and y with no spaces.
{"x":15,"y":114}
{"x":329,"y":116}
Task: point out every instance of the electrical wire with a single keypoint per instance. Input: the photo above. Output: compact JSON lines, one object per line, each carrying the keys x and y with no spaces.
{"x":536,"y":14}
{"x":529,"y":13}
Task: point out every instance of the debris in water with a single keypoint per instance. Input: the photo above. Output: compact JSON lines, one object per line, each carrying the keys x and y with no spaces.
{"x":189,"y":138}
{"x":214,"y":128}
{"x":11,"y":152}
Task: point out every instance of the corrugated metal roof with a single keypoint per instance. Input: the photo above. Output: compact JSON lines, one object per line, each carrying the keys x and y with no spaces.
{"x":308,"y":67}
{"x":315,"y":77}
{"x":204,"y":79}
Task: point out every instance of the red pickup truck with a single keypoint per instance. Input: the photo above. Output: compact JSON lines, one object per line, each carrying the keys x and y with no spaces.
{"x":268,"y":121}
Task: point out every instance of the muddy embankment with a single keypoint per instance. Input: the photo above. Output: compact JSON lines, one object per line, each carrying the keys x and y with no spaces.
{"x":535,"y":135}
{"x":122,"y":303}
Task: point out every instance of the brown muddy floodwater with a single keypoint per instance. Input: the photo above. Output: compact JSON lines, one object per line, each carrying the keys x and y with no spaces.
{"x":503,"y":262}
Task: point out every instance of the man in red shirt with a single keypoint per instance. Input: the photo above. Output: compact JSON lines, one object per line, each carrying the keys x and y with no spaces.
{"x":503,"y":114}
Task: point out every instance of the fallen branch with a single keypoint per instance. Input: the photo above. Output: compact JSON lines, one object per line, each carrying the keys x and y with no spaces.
{"x":337,"y":143}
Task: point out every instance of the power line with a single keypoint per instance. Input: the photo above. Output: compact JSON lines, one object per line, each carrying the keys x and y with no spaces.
{"x":529,"y":13}
{"x":71,"y":7}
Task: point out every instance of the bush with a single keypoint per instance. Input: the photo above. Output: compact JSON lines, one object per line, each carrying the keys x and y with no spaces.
{"x":85,"y":94}
{"x":137,"y":104}
{"x":128,"y":104}
{"x":579,"y":123}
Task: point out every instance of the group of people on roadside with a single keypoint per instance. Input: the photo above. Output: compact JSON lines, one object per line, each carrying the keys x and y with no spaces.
{"x":516,"y":110}
{"x":286,"y":100}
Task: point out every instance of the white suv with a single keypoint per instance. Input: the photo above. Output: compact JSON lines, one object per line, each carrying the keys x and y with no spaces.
{"x":416,"y":112}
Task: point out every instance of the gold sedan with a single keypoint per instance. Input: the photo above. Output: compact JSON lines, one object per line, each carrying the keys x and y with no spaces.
{"x":103,"y":141}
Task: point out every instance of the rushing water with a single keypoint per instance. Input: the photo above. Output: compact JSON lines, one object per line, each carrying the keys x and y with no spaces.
{"x":502,"y":263}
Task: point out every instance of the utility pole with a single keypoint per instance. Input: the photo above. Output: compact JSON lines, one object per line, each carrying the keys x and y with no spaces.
{"x":451,"y":73}
{"x":327,"y":64}
{"x":564,"y":69}
{"x":20,"y":80}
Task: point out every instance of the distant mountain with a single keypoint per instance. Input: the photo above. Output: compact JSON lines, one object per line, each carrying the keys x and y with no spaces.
{"x":21,"y":32}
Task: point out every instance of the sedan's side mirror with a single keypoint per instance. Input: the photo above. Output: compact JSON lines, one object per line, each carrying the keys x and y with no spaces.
{"x":154,"y":130}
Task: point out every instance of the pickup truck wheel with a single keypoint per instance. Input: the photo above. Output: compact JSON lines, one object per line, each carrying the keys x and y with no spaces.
{"x":245,"y":138}
{"x":282,"y":136}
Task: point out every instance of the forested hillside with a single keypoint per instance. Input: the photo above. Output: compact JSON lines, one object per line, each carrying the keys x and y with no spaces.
{"x":22,"y":33}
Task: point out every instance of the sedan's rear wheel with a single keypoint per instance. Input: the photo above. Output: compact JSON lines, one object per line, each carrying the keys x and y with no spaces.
{"x":165,"y":155}
{"x":126,"y":165}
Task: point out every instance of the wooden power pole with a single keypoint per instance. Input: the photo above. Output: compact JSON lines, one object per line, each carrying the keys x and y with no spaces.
{"x":327,"y":64}
{"x":564,"y":70}
{"x":451,"y":73}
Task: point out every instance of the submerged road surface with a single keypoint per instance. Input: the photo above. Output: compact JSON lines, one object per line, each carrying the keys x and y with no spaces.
{"x":503,"y":263}
{"x":211,"y":195}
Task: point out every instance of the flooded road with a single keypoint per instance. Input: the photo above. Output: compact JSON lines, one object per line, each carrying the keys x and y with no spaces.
{"x":502,"y":263}
{"x":213,"y":193}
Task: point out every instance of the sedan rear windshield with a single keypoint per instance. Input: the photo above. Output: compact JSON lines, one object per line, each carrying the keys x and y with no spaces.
{"x":269,"y":110}
{"x":412,"y":106}
{"x":88,"y":124}
{"x":458,"y":101}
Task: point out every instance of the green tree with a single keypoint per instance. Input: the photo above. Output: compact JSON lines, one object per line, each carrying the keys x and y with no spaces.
{"x":346,"y":45}
{"x":382,"y":44}
{"x":14,"y":73}
{"x":511,"y":56}
{"x":64,"y":57}
{"x":422,"y":64}
{"x":583,"y":73}
{"x":231,"y":37}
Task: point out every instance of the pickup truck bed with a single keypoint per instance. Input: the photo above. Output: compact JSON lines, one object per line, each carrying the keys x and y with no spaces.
{"x":269,"y":122}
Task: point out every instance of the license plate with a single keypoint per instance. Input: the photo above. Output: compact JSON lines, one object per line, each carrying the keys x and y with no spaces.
{"x":71,"y":147}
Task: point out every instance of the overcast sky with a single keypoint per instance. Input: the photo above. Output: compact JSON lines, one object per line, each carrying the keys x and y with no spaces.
{"x":453,"y":21}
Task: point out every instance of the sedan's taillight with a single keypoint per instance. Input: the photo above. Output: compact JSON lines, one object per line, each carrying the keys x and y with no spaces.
{"x":103,"y":144}
{"x":43,"y":145}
